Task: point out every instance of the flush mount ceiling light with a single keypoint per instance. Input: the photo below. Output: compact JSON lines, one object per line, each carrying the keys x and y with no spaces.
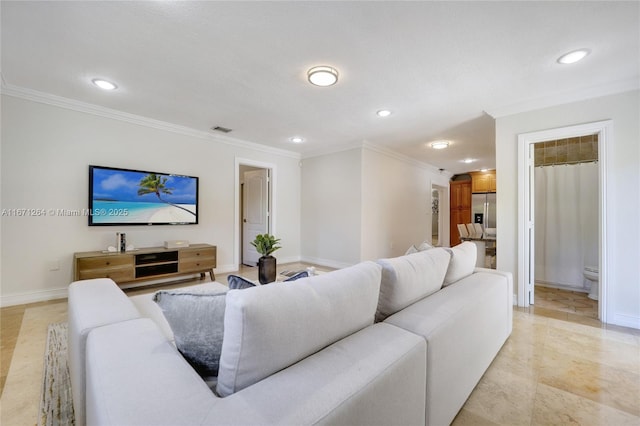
{"x":484,"y":170}
{"x":104,"y":84}
{"x":468,"y":160}
{"x":439,"y":144}
{"x":296,"y":139}
{"x":383,"y":113}
{"x":322,"y":76}
{"x":574,"y":56}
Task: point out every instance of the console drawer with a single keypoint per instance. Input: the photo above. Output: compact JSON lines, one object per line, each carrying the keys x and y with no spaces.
{"x":104,"y":262}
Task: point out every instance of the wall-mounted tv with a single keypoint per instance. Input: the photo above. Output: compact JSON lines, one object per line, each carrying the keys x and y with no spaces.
{"x":136,"y":197}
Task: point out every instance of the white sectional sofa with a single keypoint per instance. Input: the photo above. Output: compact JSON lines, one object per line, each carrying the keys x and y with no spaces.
{"x":398,"y":341}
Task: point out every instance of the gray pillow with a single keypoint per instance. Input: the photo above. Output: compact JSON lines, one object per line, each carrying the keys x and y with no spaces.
{"x":238,"y":283}
{"x":197,"y":322}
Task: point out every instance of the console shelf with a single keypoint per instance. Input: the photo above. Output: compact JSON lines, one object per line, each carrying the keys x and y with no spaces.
{"x":146,"y":264}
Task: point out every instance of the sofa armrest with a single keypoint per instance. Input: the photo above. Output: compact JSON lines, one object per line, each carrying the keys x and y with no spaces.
{"x":509,"y":277}
{"x":135,"y":376}
{"x":92,"y":303}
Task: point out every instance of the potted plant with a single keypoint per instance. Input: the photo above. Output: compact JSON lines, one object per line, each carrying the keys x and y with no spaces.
{"x":266,"y":244}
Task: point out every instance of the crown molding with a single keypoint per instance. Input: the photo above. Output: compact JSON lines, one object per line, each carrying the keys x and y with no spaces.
{"x":75,"y":105}
{"x":565,"y":98}
{"x":380,"y":150}
{"x":405,"y":159}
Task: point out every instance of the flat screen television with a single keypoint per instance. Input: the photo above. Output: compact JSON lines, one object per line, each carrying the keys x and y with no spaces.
{"x":136,"y":197}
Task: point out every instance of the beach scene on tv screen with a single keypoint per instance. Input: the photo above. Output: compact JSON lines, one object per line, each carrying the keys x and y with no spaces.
{"x":122,"y":196}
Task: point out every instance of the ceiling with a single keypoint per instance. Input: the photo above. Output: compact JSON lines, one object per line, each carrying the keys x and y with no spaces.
{"x":445,"y":69}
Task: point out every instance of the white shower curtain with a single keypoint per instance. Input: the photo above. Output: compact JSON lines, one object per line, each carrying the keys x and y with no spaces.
{"x":566,"y":223}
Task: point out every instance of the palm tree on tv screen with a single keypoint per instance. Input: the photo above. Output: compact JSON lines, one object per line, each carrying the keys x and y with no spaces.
{"x":157,"y":184}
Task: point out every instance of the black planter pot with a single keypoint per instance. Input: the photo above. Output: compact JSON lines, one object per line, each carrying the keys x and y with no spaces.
{"x":266,"y":269}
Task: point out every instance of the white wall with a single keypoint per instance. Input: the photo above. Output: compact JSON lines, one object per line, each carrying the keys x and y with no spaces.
{"x":396,"y":203}
{"x":46,"y":151}
{"x":364,"y":204}
{"x":623,"y":186}
{"x":331,"y":208}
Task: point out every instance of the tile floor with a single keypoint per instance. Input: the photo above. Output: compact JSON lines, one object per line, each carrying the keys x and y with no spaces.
{"x":573,"y":302}
{"x":557,"y":368}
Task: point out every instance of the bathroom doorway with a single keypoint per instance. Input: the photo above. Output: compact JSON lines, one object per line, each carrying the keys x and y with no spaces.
{"x":566,"y":232}
{"x":526,"y":207}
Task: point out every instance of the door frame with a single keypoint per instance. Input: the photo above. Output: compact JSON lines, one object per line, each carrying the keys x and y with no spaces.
{"x":443,"y":202}
{"x":237,"y":232}
{"x":526,"y":194}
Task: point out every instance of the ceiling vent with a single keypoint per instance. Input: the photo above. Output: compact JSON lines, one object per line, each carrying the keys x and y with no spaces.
{"x":221,"y":129}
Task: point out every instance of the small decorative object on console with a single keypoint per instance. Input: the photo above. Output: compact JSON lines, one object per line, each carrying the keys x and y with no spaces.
{"x":171,"y":244}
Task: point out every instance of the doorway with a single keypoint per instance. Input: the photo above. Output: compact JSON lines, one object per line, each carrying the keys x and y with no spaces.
{"x":526,"y":206}
{"x":439,"y":197}
{"x":254,"y":207}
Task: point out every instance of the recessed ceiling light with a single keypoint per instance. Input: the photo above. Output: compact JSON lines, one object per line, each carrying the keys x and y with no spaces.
{"x":323,"y":76}
{"x":468,"y":160}
{"x":484,"y":170}
{"x":383,"y":113}
{"x":574,"y":56}
{"x":296,"y":139}
{"x":440,"y":144}
{"x":104,"y":84}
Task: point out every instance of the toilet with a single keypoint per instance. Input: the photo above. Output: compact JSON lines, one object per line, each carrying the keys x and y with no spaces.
{"x":592,"y":274}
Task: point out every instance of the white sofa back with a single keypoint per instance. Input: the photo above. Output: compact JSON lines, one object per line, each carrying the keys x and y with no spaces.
{"x":268,"y":328}
{"x":407,"y":279}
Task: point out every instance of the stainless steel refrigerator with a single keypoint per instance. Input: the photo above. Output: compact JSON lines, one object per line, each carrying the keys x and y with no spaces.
{"x":483,"y":209}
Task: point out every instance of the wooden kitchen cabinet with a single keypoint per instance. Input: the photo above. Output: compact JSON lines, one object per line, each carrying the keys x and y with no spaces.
{"x":460,"y":208}
{"x":482,"y":182}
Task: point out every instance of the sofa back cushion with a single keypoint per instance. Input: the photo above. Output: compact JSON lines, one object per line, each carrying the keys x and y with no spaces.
{"x":270,"y":327}
{"x":407,"y":279}
{"x":463,"y":262}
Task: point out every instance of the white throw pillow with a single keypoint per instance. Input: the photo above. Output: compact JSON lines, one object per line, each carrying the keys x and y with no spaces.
{"x":463,"y":262}
{"x":411,"y":250}
{"x":407,"y":279}
{"x":424,"y":246}
{"x":270,"y":327}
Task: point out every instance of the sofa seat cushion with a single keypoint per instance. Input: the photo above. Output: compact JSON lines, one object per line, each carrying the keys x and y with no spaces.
{"x":375,"y":376}
{"x":197,"y":321}
{"x":268,"y":328}
{"x":465,"y":325}
{"x":407,"y":279}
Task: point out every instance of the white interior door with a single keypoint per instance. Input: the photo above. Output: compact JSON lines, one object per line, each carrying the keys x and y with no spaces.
{"x":255,"y":215}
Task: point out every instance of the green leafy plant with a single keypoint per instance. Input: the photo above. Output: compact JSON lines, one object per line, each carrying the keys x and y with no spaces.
{"x":266,"y":244}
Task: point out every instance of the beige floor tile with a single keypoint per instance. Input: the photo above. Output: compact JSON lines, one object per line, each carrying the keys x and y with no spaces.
{"x":503,"y":398}
{"x":610,"y":386}
{"x":557,"y":407}
{"x":607,"y":352}
{"x":467,"y":418}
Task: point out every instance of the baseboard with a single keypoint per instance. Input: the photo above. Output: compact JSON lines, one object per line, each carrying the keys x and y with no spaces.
{"x":61,"y":293}
{"x":325,"y":262}
{"x":33,"y":297}
{"x":625,"y":320}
